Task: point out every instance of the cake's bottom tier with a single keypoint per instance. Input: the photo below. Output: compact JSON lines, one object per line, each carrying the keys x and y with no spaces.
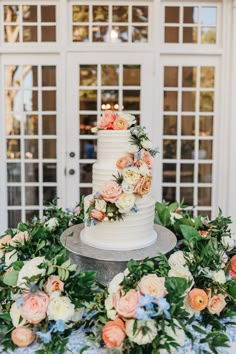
{"x":135,"y":231}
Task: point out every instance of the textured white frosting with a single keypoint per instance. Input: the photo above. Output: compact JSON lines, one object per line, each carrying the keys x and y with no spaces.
{"x":136,"y":230}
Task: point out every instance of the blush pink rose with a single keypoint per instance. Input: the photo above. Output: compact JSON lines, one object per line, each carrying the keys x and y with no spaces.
{"x":113,"y":333}
{"x":97,"y":214}
{"x":124,"y":161}
{"x":106,"y":120}
{"x":54,"y":284}
{"x":127,"y":304}
{"x":35,"y":307}
{"x":22,"y":336}
{"x":120,"y":124}
{"x":152,"y":285}
{"x":232,"y":270}
{"x":216,"y":304}
{"x":21,"y":237}
{"x":147,"y":157}
{"x":111,"y":191}
{"x":5,"y":240}
{"x":143,"y":185}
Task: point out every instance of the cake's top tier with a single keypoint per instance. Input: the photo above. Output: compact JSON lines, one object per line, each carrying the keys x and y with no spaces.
{"x":111,"y":145}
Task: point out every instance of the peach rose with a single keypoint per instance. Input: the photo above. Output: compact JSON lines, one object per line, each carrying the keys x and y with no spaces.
{"x":54,"y":284}
{"x":232,"y":270}
{"x":22,"y":336}
{"x":113,"y":333}
{"x":21,"y":237}
{"x":216,"y":304}
{"x":197,"y":299}
{"x":127,"y":304}
{"x":5,"y":240}
{"x":97,"y":214}
{"x":143,"y":185}
{"x":204,"y":233}
{"x":120,"y":124}
{"x":35,"y":307}
{"x":124,"y":161}
{"x":147,"y":157}
{"x":152,"y":285}
{"x":111,"y":191}
{"x":106,"y":120}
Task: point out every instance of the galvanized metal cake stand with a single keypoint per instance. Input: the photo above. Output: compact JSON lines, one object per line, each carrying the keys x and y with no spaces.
{"x":109,"y":263}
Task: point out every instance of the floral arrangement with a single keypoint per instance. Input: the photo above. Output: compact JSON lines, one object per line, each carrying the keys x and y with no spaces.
{"x":118,"y":197}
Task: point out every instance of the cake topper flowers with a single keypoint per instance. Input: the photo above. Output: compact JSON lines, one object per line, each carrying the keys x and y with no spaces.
{"x":115,"y":121}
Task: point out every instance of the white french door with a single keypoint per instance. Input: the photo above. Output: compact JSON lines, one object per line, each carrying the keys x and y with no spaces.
{"x":98,"y":82}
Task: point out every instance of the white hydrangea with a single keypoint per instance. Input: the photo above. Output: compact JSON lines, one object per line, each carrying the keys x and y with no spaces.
{"x":228,"y":242}
{"x":177,"y":259}
{"x":139,"y":336}
{"x":30,"y":269}
{"x":51,"y":224}
{"x":219,"y":276}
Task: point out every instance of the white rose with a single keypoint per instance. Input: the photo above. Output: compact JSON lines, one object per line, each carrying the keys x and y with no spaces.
{"x":60,"y":308}
{"x":177,"y":259}
{"x":139,"y":336}
{"x":228,"y":242}
{"x":52,"y":223}
{"x":114,"y":284}
{"x":128,"y":117}
{"x":144,"y":170}
{"x":111,"y":312}
{"x":174,"y":216}
{"x":30,"y":269}
{"x":131,"y":174}
{"x":189,"y":309}
{"x":127,"y":188}
{"x":219,"y":276}
{"x":16,"y":318}
{"x":180,"y":272}
{"x":100,"y":204}
{"x":125,"y":202}
{"x":10,"y":257}
{"x":146,"y":144}
{"x":178,"y":335}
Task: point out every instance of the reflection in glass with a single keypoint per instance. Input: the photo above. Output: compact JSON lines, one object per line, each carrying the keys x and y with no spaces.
{"x":206,"y":101}
{"x":187,"y":172}
{"x":49,"y":124}
{"x":189,"y":74}
{"x":187,"y":149}
{"x":14,"y":217}
{"x":31,"y":172}
{"x":13,"y":172}
{"x":88,"y":100}
{"x":29,"y":13}
{"x":205,"y":213}
{"x":170,"y":125}
{"x":49,"y":100}
{"x":100,"y":33}
{"x":119,"y":34}
{"x":140,"y":14}
{"x":13,"y":195}
{"x":186,"y":194}
{"x":11,"y":13}
{"x":208,"y":35}
{"x":49,"y":193}
{"x":169,"y":194}
{"x":191,"y":14}
{"x":12,"y":125}
{"x":207,"y":76}
{"x":88,"y":149}
{"x":48,"y":33}
{"x":49,"y":172}
{"x":171,"y":76}
{"x":171,"y":34}
{"x":85,"y":190}
{"x":170,"y":100}
{"x":131,"y":75}
{"x":190,"y":35}
{"x":13,"y":101}
{"x":171,"y":14}
{"x":30,"y":34}
{"x":169,"y":149}
{"x":208,"y":15}
{"x":48,"y":13}
{"x":86,"y":173}
{"x":110,"y":99}
{"x":48,"y":75}
{"x":169,"y":172}
{"x":30,"y":76}
{"x":206,"y":126}
{"x":80,"y":13}
{"x":204,"y":196}
{"x":13,"y":148}
{"x":31,"y":124}
{"x":11,"y":34}
{"x":80,"y":33}
{"x":119,"y":13}
{"x":205,"y":173}
{"x":31,"y":148}
{"x":30,"y":100}
{"x":205,"y":149}
{"x":30,"y":214}
{"x":131,"y":100}
{"x":188,"y":101}
{"x":100,"y":13}
{"x":188,"y":125}
{"x":86,"y":123}
{"x":88,"y":75}
{"x":110,"y":75}
{"x":140,"y":34}
{"x":49,"y":149}
{"x":32,"y":195}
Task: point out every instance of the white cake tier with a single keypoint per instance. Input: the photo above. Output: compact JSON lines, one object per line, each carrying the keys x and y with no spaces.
{"x":135,"y":231}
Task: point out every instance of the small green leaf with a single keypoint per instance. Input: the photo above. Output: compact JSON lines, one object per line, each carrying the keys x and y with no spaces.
{"x":11,"y":278}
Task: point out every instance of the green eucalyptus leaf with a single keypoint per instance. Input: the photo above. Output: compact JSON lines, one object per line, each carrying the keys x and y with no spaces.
{"x":11,"y":278}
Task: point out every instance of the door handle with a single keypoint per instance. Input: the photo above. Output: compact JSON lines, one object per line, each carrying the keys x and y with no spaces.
{"x":71,"y":171}
{"x":72,"y":154}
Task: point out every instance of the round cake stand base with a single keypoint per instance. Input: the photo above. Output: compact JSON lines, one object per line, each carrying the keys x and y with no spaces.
{"x":108,"y":263}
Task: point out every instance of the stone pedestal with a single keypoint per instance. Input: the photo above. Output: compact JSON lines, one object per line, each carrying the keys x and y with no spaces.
{"x":108,"y":263}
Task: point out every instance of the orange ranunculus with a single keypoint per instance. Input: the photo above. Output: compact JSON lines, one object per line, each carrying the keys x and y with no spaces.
{"x":143,"y":185}
{"x":113,"y":333}
{"x":106,"y":120}
{"x":198,"y":299}
{"x":120,"y":124}
{"x":97,"y":214}
{"x":22,"y":336}
{"x":232,"y":270}
{"x":124,"y":161}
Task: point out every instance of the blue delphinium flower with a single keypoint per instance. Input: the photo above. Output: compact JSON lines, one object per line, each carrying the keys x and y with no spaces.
{"x":147,"y":301}
{"x":59,"y":326}
{"x":45,"y":336}
{"x":141,"y":314}
{"x":163,"y":307}
{"x":20,"y":301}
